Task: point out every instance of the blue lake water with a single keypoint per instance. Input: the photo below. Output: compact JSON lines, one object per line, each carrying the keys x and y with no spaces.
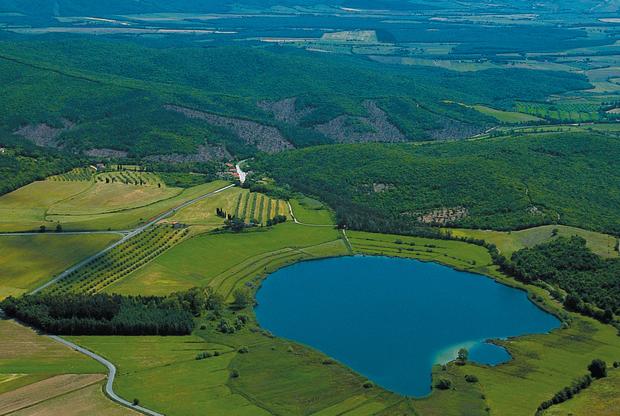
{"x":391,"y":319}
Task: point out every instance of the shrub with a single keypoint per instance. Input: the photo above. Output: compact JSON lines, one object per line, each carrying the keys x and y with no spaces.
{"x":368,"y":385}
{"x":234,"y":373}
{"x":470,"y":378}
{"x":443,"y":384}
{"x":203,"y":355}
{"x":598,"y":368}
{"x":135,"y":402}
{"x":243,"y":350}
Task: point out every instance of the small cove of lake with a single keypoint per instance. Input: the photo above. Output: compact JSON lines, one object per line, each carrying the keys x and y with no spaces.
{"x":392,"y":319}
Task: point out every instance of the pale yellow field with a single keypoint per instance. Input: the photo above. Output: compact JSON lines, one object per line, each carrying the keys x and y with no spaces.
{"x":88,"y":400}
{"x":26,"y":207}
{"x":109,"y":197}
{"x":43,"y":390}
{"x":203,"y":212}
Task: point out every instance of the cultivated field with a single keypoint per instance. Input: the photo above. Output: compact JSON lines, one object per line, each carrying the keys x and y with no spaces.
{"x":117,"y":263}
{"x":254,"y":208}
{"x":24,"y":352}
{"x":110,"y":197}
{"x":26,"y":208}
{"x":509,"y":117}
{"x":225,"y":260}
{"x":28,"y":261}
{"x":88,"y":205}
{"x":41,"y":377}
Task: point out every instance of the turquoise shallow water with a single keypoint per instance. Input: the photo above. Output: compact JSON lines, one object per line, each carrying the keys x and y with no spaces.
{"x":391,"y":319}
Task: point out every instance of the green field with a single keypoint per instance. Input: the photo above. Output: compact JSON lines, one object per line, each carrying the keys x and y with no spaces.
{"x":29,"y":261}
{"x":600,"y":399}
{"x":81,"y":205}
{"x":154,"y":369}
{"x":114,"y":265}
{"x":311,"y":211}
{"x":227,"y":258}
{"x":509,"y":117}
{"x":508,"y":242}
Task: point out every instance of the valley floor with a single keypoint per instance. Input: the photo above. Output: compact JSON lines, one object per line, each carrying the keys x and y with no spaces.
{"x":280,"y":377}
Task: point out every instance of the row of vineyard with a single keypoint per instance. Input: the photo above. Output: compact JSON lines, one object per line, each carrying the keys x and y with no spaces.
{"x":565,"y":112}
{"x":127,"y":177}
{"x":130,"y":178}
{"x":123,"y":259}
{"x":257,"y":208}
{"x":74,"y":175}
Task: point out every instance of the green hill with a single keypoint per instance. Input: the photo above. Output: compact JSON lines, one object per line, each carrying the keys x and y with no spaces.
{"x":502,"y":183}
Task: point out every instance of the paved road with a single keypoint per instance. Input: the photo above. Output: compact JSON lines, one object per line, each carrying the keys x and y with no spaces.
{"x":240,"y":171}
{"x":111,"y":374}
{"x":126,"y":237}
{"x":111,"y":368}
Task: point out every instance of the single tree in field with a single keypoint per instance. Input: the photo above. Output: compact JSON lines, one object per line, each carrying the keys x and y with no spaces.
{"x":598,"y":368}
{"x":58,"y":228}
{"x":241,"y":298}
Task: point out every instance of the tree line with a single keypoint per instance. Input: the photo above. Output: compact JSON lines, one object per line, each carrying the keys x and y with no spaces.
{"x":102,"y":314}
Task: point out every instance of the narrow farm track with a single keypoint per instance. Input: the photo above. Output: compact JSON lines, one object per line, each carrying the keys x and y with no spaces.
{"x":109,"y":387}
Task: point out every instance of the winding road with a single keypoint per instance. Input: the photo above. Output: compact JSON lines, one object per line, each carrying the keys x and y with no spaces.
{"x":111,"y":374}
{"x":109,"y":387}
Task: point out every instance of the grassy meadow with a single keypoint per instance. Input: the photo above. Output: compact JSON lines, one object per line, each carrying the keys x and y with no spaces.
{"x":29,"y":261}
{"x":311,"y":211}
{"x":510,"y":241}
{"x":600,"y":399}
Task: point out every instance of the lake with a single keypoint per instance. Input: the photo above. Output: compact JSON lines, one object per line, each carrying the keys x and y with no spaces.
{"x":391,"y":319}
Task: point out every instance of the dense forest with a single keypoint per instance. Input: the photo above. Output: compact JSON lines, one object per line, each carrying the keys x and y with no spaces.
{"x":569,"y":264}
{"x":501,"y":183}
{"x":20,"y":165}
{"x":116,"y":94}
{"x":102,"y":314}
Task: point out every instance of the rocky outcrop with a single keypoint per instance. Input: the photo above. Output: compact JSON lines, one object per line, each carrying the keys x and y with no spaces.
{"x":376,"y":127}
{"x":265,"y":138}
{"x":43,"y":134}
{"x":285,"y":110}
{"x":205,"y":153}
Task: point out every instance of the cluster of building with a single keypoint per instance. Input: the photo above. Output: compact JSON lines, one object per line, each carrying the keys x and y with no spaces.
{"x":232,"y":170}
